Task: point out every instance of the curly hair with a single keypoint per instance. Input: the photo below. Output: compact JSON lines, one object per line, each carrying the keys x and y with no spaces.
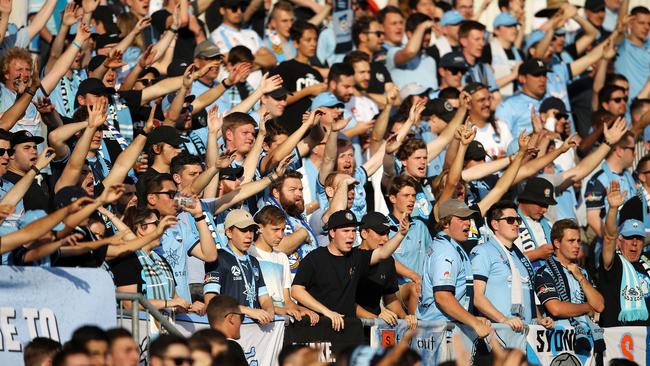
{"x":14,"y":53}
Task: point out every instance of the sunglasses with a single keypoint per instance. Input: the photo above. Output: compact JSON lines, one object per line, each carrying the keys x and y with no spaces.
{"x":241,"y":7}
{"x":377,"y":33}
{"x":511,"y":220}
{"x":150,"y":223}
{"x":170,"y":194}
{"x":147,"y":82}
{"x":9,"y":151}
{"x":241,"y":315}
{"x":455,"y":71}
{"x":619,"y":99}
{"x":179,"y":361}
{"x":188,"y":109}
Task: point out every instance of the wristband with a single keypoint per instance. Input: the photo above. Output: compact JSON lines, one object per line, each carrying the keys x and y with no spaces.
{"x":35,"y":169}
{"x":607,"y":143}
{"x":271,"y":177}
{"x":223,"y":82}
{"x":173,"y":30}
{"x":165,"y":303}
{"x":74,"y":43}
{"x":199,"y":219}
{"x":30,"y":92}
{"x":144,"y":133}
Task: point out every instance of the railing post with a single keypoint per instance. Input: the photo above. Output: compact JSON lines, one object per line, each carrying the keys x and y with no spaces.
{"x":135,"y":320}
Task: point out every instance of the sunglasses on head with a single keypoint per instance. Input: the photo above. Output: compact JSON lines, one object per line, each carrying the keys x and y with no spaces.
{"x":511,"y":220}
{"x":213,"y":58}
{"x":9,"y":151}
{"x":179,"y":361}
{"x":619,"y":99}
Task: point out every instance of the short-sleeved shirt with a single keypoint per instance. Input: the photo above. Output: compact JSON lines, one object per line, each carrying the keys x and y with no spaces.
{"x":237,"y":276}
{"x":414,"y":248}
{"x":295,"y":77}
{"x":482,"y":73}
{"x":634,"y":62}
{"x":226,"y":38}
{"x":381,"y":280}
{"x":276,"y":272}
{"x":495,"y":144}
{"x":609,"y":282}
{"x":514,"y":111}
{"x":176,"y":244}
{"x":447,"y":268}
{"x":596,"y":191}
{"x":546,"y":285}
{"x":38,"y":194}
{"x":420,"y":70}
{"x":337,"y":290}
{"x":282,"y":51}
{"x":379,"y":76}
{"x":490,"y":265}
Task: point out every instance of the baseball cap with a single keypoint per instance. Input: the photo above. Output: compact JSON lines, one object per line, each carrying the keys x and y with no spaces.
{"x":231,"y":173}
{"x":22,"y":136}
{"x":166,"y":134}
{"x":342,"y":218}
{"x":67,"y":195}
{"x":554,"y":103}
{"x":504,"y":20}
{"x":326,"y":100}
{"x":206,"y":49}
{"x":595,"y":5}
{"x":538,"y":190}
{"x":96,"y":62}
{"x":452,"y":17}
{"x":105,"y":39}
{"x":377,"y":222}
{"x":533,"y":66}
{"x":440,"y":108}
{"x":454,"y":60}
{"x":32,"y":215}
{"x":454,"y":207}
{"x":475,"y":151}
{"x":534,"y":38}
{"x":107,"y":17}
{"x":93,"y":86}
{"x":279,"y":93}
{"x":552,"y":6}
{"x":632,"y":227}
{"x":413,"y":89}
{"x":177,"y":68}
{"x":240,"y":219}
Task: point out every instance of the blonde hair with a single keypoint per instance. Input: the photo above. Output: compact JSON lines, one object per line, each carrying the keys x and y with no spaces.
{"x":14,"y":53}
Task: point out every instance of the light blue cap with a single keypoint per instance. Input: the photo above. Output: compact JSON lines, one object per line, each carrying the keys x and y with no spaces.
{"x":326,"y":99}
{"x":504,"y":20}
{"x":632,"y":227}
{"x":32,"y":215}
{"x":534,"y":38}
{"x":560,"y":31}
{"x":452,"y":17}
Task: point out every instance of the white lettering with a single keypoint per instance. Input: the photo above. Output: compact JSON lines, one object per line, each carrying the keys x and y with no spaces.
{"x":8,"y":331}
{"x":30,"y":315}
{"x":49,"y":325}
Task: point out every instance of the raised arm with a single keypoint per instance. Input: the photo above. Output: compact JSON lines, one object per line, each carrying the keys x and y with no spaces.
{"x":381,"y":125}
{"x":616,"y":199}
{"x":146,"y":59}
{"x":414,"y":44}
{"x":5,"y":13}
{"x":215,"y":121}
{"x":204,"y":100}
{"x":17,"y":192}
{"x":253,"y":156}
{"x":481,"y":170}
{"x":207,"y":248}
{"x":465,"y":134}
{"x":71,"y":15}
{"x":329,"y":157}
{"x":161,"y":88}
{"x":58,"y":137}
{"x":436,"y":146}
{"x":535,"y":165}
{"x":588,"y":37}
{"x":62,"y":65}
{"x":340,"y":200}
{"x":268,"y":84}
{"x":386,"y":250}
{"x":131,"y":245}
{"x":609,"y":52}
{"x":39,"y":20}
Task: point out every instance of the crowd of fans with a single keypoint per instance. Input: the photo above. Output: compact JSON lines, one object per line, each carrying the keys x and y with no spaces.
{"x":327,"y":162}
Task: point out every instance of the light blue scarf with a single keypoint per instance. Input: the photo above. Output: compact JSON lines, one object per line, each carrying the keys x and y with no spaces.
{"x":632,"y":300}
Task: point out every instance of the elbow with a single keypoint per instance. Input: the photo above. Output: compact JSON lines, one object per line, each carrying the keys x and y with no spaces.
{"x":553,"y":311}
{"x":599,"y":305}
{"x":211,"y":257}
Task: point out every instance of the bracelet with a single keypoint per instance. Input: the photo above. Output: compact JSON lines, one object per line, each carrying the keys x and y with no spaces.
{"x":30,"y":92}
{"x":271,"y":177}
{"x":74,"y":43}
{"x":607,"y":143}
{"x":144,"y":133}
{"x":165,"y":303}
{"x":199,"y":219}
{"x":223,"y":82}
{"x":35,"y":169}
{"x":173,"y":30}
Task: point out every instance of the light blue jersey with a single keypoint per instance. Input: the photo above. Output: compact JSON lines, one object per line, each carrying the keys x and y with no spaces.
{"x":414,"y":248}
{"x":420,"y":70}
{"x":515,"y":112}
{"x":634,"y":62}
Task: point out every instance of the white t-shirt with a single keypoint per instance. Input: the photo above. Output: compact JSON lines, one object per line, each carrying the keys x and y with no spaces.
{"x":362,"y":108}
{"x":495,"y":145}
{"x":226,"y":38}
{"x":524,"y":242}
{"x":276,"y":272}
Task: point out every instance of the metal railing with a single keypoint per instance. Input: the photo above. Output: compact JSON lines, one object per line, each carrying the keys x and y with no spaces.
{"x":138,"y":300}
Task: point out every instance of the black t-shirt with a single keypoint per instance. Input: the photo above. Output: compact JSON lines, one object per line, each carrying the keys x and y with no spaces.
{"x":333,"y":280}
{"x":127,"y":270}
{"x":379,"y":76}
{"x":380,"y":280}
{"x":185,"y":42}
{"x":609,"y":283}
{"x":37,"y":197}
{"x":296,"y":76}
{"x":92,"y":259}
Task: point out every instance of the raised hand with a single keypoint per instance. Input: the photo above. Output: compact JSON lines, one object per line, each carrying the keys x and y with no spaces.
{"x":614,"y":134}
{"x":78,"y":204}
{"x":142,"y":24}
{"x":393,"y":143}
{"x":83,"y":33}
{"x":239,"y":73}
{"x":404,"y":224}
{"x":112,"y":193}
{"x":225,"y":159}
{"x":188,"y":76}
{"x":147,"y":58}
{"x":466,"y":133}
{"x":151,"y":120}
{"x":284,"y":164}
{"x":391,"y":95}
{"x":204,"y":70}
{"x":71,"y":14}
{"x":415,"y":113}
{"x":615,"y":197}
{"x":114,"y":59}
{"x":340,"y":124}
{"x":313,"y":117}
{"x":215,"y":119}
{"x":165,"y":223}
{"x":270,"y":83}
{"x":538,"y":125}
{"x":45,"y":158}
{"x":97,"y":115}
{"x":44,"y":105}
{"x":89,"y":5}
{"x":176,"y":17}
{"x":569,"y":143}
{"x":609,"y":50}
{"x":523,"y":140}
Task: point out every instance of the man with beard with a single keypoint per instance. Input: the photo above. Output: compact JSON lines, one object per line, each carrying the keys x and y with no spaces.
{"x":299,"y":240}
{"x":335,"y":296}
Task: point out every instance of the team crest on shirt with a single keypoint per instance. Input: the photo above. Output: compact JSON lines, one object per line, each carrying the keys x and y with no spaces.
{"x":209,"y":277}
{"x":235,"y":271}
{"x":543,"y":289}
{"x":380,"y":77}
{"x":446,"y":275}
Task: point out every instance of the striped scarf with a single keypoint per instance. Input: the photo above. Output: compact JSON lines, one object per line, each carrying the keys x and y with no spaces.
{"x":157,"y":275}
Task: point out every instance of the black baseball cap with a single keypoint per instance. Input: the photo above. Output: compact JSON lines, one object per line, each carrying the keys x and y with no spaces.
{"x":166,"y":134}
{"x":475,"y":151}
{"x":378,"y":223}
{"x":177,"y":68}
{"x":279,"y":93}
{"x":440,"y":108}
{"x":539,"y":191}
{"x":595,"y":5}
{"x":67,"y":195}
{"x":22,"y":136}
{"x":342,"y":218}
{"x":533,"y":66}
{"x":93,"y":86}
{"x":231,"y":173}
{"x":96,"y":62}
{"x":105,"y":39}
{"x":454,"y":60}
{"x":554,"y":103}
